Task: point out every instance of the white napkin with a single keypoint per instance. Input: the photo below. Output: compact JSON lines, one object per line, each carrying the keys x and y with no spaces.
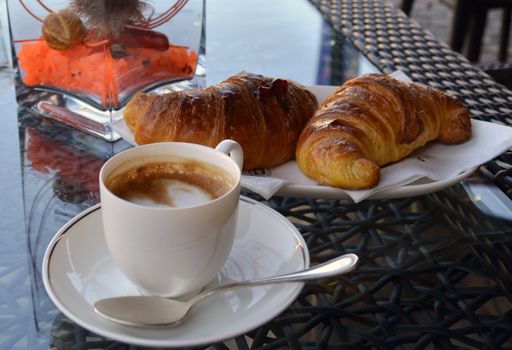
{"x":436,"y":161}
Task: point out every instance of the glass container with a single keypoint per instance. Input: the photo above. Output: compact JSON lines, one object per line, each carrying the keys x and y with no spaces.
{"x":80,"y":61}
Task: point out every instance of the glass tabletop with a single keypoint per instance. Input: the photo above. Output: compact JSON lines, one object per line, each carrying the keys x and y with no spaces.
{"x":269,"y":38}
{"x":434,"y":269}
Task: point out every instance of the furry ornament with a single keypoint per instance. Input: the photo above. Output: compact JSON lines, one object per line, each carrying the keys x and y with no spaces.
{"x":109,"y":17}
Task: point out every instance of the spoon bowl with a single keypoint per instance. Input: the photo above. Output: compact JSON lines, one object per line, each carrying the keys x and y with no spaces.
{"x":153,"y":311}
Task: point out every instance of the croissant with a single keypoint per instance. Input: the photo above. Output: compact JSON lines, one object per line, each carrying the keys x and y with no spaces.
{"x":373,"y":120}
{"x":264,"y":115}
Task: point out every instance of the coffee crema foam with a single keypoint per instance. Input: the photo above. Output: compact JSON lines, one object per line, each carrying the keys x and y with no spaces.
{"x":171,"y":183}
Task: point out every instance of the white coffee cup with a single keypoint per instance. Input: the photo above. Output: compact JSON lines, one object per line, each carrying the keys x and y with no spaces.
{"x":171,"y":251}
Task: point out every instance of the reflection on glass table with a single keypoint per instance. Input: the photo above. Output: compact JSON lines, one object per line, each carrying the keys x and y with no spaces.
{"x":285,"y":39}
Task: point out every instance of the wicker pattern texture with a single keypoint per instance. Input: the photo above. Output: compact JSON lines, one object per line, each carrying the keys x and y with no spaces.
{"x":427,"y":279}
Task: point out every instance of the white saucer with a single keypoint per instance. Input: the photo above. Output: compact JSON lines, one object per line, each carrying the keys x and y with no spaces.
{"x":78,"y":270}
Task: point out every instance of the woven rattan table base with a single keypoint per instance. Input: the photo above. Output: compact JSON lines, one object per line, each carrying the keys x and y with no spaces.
{"x":392,"y":41}
{"x":427,"y":279}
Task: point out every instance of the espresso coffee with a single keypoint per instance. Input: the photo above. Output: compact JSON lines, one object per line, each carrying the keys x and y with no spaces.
{"x":181,"y":183}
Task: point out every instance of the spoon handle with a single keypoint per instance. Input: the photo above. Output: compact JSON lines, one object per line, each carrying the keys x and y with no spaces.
{"x":342,"y":264}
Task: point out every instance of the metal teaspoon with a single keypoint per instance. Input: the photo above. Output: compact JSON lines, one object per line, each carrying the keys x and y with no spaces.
{"x":151,"y":311}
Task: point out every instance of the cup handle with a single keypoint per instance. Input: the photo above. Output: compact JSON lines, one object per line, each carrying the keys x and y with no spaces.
{"x":232,"y":149}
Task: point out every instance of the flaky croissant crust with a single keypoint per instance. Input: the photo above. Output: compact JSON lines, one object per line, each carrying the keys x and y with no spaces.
{"x":373,"y":120}
{"x":264,"y":115}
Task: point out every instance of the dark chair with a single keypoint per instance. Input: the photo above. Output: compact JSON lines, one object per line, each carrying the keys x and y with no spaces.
{"x":470,"y":17}
{"x":407,"y":6}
